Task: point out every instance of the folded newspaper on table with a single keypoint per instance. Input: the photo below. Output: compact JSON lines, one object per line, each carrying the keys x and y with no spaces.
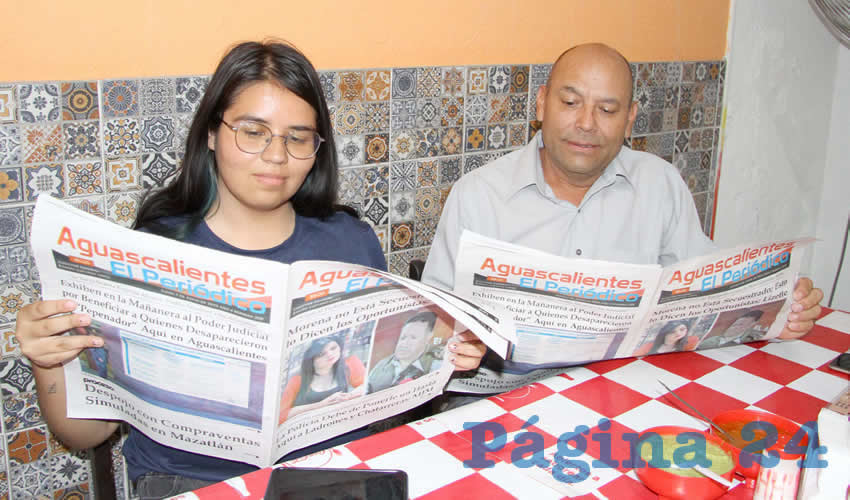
{"x":572,"y":311}
{"x":239,"y":357}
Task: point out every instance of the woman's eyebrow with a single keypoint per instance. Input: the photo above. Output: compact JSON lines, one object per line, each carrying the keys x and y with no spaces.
{"x":254,"y":118}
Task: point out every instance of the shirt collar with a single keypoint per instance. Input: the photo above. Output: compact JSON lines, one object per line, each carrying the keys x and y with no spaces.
{"x":530,"y":172}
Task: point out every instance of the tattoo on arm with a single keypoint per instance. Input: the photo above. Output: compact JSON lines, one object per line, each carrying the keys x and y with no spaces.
{"x":52,"y":388}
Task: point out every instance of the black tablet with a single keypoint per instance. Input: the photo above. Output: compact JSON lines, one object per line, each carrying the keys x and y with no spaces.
{"x":336,"y":484}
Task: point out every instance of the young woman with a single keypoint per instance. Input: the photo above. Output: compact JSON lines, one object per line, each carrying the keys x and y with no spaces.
{"x":259,"y":178}
{"x":325,"y":379}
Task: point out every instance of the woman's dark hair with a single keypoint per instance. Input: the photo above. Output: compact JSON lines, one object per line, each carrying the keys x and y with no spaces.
{"x":669,"y":328}
{"x":340,"y":371}
{"x":193,"y":192}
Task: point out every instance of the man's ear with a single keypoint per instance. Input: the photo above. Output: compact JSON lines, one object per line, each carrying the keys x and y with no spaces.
{"x":632,"y":115}
{"x":541,"y":102}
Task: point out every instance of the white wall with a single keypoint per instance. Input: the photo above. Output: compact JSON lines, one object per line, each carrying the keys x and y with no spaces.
{"x":781,"y":84}
{"x":835,"y":195}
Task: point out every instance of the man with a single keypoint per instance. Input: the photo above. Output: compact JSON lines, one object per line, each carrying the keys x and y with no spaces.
{"x":411,"y":358}
{"x":576,"y":191}
{"x":740,"y":331}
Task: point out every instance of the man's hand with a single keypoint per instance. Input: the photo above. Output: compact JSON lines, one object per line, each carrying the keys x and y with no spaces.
{"x":804,"y":310}
{"x":467,"y":351}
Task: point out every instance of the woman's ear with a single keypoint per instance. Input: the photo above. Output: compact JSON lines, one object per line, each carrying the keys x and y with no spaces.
{"x":211,"y":140}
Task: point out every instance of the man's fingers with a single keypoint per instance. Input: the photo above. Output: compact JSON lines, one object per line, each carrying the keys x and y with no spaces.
{"x":812,"y":299}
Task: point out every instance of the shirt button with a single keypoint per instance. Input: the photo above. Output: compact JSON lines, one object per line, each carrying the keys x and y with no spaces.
{"x":578,"y":252}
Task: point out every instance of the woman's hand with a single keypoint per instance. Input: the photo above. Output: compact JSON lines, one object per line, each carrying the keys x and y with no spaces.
{"x":38,"y":332}
{"x":467,"y":351}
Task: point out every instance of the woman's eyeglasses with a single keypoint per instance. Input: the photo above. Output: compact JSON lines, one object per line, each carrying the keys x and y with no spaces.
{"x":253,"y":137}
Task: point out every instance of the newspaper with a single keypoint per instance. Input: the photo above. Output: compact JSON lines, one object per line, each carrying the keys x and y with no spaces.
{"x":238,"y":357}
{"x":573,"y":311}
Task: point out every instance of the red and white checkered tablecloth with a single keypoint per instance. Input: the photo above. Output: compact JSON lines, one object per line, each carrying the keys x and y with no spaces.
{"x":791,"y":379}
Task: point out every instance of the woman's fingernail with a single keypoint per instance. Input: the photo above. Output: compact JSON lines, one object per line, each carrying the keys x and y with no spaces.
{"x":69,"y":305}
{"x":97,"y":342}
{"x":84,"y":320}
{"x":453,"y":347}
{"x":453,"y":359}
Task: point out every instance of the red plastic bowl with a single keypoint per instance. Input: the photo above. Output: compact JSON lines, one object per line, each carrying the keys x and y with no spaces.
{"x":785,"y":430}
{"x":669,"y":485}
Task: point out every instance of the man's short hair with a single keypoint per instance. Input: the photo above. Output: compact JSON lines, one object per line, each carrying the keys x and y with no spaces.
{"x":428,"y":317}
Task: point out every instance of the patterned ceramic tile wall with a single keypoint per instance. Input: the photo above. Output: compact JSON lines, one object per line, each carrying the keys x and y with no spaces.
{"x":404,"y":136}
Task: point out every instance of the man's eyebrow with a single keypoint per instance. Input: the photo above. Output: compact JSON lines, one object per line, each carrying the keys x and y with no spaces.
{"x":607,"y":100}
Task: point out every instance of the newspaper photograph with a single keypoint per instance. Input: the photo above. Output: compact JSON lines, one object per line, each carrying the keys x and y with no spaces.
{"x":238,"y":357}
{"x":574,"y":311}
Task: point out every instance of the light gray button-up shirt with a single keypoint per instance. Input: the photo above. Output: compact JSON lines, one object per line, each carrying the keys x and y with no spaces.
{"x":638,"y":211}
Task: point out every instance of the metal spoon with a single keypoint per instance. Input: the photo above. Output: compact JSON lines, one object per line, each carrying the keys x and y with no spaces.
{"x":703,"y":417}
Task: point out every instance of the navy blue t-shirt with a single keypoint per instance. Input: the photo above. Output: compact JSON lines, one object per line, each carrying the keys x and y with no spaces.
{"x":339,"y":238}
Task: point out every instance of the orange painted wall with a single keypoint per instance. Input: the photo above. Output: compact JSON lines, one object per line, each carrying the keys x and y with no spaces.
{"x":54,"y":39}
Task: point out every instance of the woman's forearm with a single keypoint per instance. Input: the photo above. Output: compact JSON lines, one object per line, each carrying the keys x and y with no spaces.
{"x":76,"y":433}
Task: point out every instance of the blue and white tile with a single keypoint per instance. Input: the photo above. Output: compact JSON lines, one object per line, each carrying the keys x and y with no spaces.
{"x":21,"y":411}
{"x":158,"y":96}
{"x":10,"y":144}
{"x":69,"y":469}
{"x":189,"y":91}
{"x":31,"y":480}
{"x":82,"y":139}
{"x":330,"y":85}
{"x":473,"y":161}
{"x":404,"y":83}
{"x":39,"y":102}
{"x":403,"y":114}
{"x":499,"y":80}
{"x":476,"y":108}
{"x":158,"y":169}
{"x":376,"y":210}
{"x":12,"y":226}
{"x":158,"y":134}
{"x":48,"y":178}
{"x":428,"y":112}
{"x":402,"y":206}
{"x":16,"y":375}
{"x":350,"y":150}
{"x":403,"y":176}
{"x":450,"y":170}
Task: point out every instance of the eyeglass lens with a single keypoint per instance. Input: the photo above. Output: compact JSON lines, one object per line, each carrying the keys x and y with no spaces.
{"x":252,"y":137}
